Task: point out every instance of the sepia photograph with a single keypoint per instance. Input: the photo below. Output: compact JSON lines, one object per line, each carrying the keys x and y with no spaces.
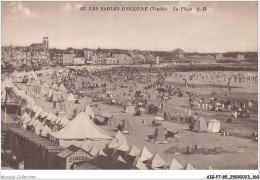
{"x":129,"y":85}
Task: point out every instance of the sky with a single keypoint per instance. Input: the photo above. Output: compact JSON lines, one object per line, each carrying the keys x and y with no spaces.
{"x":224,"y":27}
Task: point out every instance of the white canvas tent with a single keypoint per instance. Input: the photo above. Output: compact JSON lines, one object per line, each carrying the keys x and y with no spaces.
{"x":45,"y":131}
{"x":156,"y":161}
{"x":89,"y":112}
{"x":80,"y":128}
{"x":145,"y":154}
{"x":200,"y":125}
{"x":134,"y":151}
{"x":118,"y":140}
{"x":140,"y":165}
{"x":124,"y":146}
{"x":190,"y":167}
{"x":175,"y":165}
{"x":129,"y":108}
{"x":71,"y":98}
{"x":214,"y":126}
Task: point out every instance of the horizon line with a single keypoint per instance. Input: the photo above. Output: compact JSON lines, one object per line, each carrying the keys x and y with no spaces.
{"x":135,"y":49}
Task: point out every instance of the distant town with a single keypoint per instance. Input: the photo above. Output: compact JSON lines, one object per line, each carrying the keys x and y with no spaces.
{"x":39,"y":55}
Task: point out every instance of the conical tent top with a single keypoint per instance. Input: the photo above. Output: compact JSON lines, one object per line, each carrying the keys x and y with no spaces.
{"x":94,"y":151}
{"x":175,"y":165}
{"x":101,"y":152}
{"x":189,"y":167}
{"x":124,"y":146}
{"x":145,"y":154}
{"x":120,"y":158}
{"x":120,"y":135}
{"x":134,"y":151}
{"x":140,"y":165}
{"x":156,"y":161}
{"x":114,"y":143}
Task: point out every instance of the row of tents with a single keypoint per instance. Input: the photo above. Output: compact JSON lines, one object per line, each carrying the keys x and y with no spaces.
{"x":31,"y":73}
{"x":142,"y":159}
{"x":201,"y":125}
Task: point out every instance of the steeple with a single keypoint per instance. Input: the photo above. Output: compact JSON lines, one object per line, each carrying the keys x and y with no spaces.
{"x":46,"y":41}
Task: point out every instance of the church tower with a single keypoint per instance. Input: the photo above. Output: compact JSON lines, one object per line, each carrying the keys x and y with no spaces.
{"x":45,"y":42}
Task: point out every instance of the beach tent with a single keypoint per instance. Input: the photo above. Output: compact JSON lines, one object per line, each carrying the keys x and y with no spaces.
{"x":44,"y":114}
{"x":139,"y":164}
{"x":120,"y":158}
{"x":71,"y":98}
{"x":89,"y":112}
{"x":8,"y":82}
{"x":118,"y":140}
{"x":156,"y":161}
{"x":62,"y":88}
{"x":121,"y":137}
{"x":190,"y":167}
{"x":214,"y":126}
{"x":134,"y":151}
{"x":114,"y":143}
{"x":58,"y":121}
{"x":159,"y":136}
{"x":80,"y":128}
{"x":175,"y":165}
{"x":38,"y":112}
{"x":145,"y":154}
{"x":25,"y":119}
{"x":123,"y":147}
{"x":64,"y":121}
{"x":49,"y":116}
{"x":54,"y":118}
{"x":57,"y":97}
{"x":200,"y":125}
{"x":31,"y":122}
{"x":38,"y":128}
{"x":45,"y":131}
{"x":63,"y":108}
{"x":101,"y":152}
{"x":86,"y":146}
{"x":94,"y":151}
{"x":99,"y":144}
{"x":50,"y":93}
{"x":35,"y":122}
{"x":127,"y":127}
{"x":129,"y":108}
{"x":92,"y":147}
{"x":35,"y":108}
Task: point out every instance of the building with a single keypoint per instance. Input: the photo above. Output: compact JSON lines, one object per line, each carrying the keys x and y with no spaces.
{"x":110,"y":60}
{"x":59,"y":58}
{"x":6,"y":56}
{"x":219,"y":56}
{"x":43,"y":45}
{"x":87,"y":54}
{"x":46,"y":42}
{"x":123,"y":58}
{"x":78,"y":61}
{"x":240,"y":57}
{"x":69,"y":157}
{"x":139,"y":58}
{"x":97,"y":59}
{"x":68,"y":59}
{"x":157,"y":60}
{"x":178,"y":53}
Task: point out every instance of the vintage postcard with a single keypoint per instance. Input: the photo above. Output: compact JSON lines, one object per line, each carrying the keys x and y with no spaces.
{"x":100,"y":85}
